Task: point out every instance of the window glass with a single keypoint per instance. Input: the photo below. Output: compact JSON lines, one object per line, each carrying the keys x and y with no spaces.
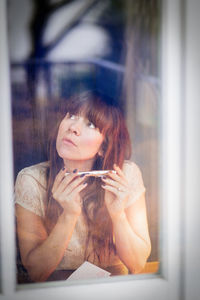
{"x":59,"y":49}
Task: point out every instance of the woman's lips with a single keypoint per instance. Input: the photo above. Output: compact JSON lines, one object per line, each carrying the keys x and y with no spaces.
{"x":68,"y":142}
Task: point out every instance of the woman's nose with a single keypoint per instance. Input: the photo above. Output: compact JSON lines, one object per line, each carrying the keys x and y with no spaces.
{"x":76,"y":127}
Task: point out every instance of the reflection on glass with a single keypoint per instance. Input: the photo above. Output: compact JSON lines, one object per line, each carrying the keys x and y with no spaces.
{"x":59,"y":51}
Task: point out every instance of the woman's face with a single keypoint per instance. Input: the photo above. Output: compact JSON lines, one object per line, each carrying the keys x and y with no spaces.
{"x":78,"y":139}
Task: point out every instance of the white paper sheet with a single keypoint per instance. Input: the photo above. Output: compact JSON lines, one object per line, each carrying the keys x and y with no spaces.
{"x":88,"y":271}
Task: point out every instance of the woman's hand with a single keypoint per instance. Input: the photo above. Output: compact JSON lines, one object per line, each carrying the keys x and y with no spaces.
{"x":66,"y":191}
{"x":117,"y":192}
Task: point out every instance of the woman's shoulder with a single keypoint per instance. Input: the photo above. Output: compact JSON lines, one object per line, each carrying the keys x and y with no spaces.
{"x":37,"y":171}
{"x":134,"y":176}
{"x":30,"y":188}
{"x":132,"y":172}
{"x":130,"y":167}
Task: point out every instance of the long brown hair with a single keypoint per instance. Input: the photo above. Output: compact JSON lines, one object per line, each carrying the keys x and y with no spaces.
{"x":116,"y":147}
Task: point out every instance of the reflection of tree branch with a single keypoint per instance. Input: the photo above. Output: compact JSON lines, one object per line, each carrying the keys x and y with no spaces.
{"x":82,"y":12}
{"x":55,"y":6}
{"x":41,"y":12}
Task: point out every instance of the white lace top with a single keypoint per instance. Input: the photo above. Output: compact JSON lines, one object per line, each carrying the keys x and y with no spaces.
{"x":30,"y":193}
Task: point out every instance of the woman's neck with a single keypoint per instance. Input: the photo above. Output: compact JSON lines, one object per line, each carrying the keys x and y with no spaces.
{"x":81,"y":165}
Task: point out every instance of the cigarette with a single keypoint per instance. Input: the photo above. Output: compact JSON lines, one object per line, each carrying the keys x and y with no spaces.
{"x":98,"y":173}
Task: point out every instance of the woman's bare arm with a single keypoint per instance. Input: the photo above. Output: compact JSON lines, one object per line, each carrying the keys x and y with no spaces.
{"x":132,"y":237}
{"x":41,"y":253}
{"x":130,"y":226}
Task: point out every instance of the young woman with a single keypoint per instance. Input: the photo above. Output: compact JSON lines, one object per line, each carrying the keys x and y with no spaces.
{"x":64,"y":218}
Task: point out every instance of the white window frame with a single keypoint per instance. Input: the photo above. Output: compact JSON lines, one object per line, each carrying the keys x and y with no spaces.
{"x":179,"y":193}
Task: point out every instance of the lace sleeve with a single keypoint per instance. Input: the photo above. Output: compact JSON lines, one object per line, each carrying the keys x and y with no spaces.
{"x":134,"y":176}
{"x":27,"y":193}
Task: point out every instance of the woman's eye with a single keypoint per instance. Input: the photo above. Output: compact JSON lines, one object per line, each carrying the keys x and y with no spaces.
{"x":72,"y":117}
{"x":91,"y":125}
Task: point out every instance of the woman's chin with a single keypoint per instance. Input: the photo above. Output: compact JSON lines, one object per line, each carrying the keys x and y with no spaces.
{"x":68,"y":155}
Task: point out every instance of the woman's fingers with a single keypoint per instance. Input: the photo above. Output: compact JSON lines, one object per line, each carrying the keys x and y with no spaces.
{"x":72,"y":202}
{"x":110,"y":189}
{"x":73,"y":184}
{"x":117,"y":180}
{"x":118,"y":176}
{"x":117,"y":185}
{"x":119,"y":172}
{"x":78,"y":189}
{"x":62,"y":181}
{"x":58,"y":179}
